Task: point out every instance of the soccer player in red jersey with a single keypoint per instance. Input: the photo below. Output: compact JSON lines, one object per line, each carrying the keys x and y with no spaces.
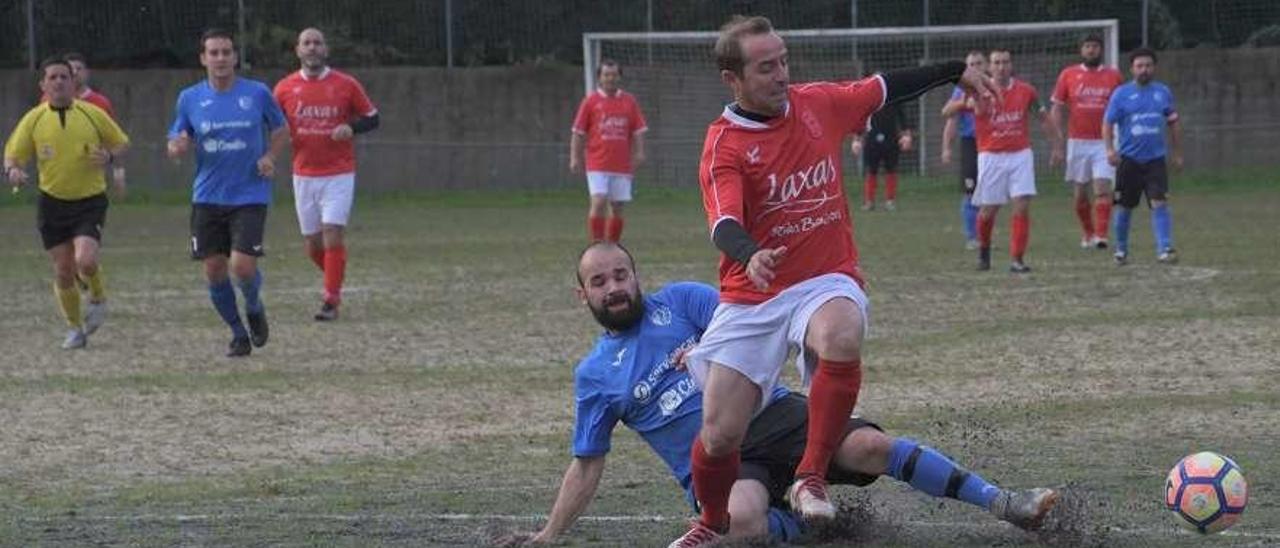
{"x":611,"y":128}
{"x":1006,"y":166}
{"x":1084,"y":89}
{"x":773,"y":194}
{"x":326,"y":109}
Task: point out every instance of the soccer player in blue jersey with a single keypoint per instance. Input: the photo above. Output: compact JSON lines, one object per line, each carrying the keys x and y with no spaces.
{"x":634,"y":375}
{"x":960,"y":122}
{"x":1141,"y":109}
{"x":238,"y":131}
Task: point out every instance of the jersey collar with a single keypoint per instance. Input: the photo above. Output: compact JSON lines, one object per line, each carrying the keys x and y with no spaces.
{"x":742,"y":121}
{"x":323,"y":73}
{"x":607,"y":96}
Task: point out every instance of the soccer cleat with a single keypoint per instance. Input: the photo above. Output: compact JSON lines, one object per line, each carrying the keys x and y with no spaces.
{"x":1086,"y":243}
{"x":697,"y":536}
{"x":75,"y":339}
{"x":1025,"y":509}
{"x":868,"y":206}
{"x":258,"y":328}
{"x":1099,"y":242}
{"x":1168,"y":256}
{"x":971,"y":245}
{"x":984,"y":258}
{"x":94,"y":316}
{"x":808,"y":497}
{"x":239,"y":347}
{"x":328,"y":312}
{"x":1019,"y":267}
{"x":890,"y":206}
{"x":1121,"y":257}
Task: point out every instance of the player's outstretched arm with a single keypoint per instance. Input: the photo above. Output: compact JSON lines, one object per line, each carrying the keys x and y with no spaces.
{"x":576,"y":491}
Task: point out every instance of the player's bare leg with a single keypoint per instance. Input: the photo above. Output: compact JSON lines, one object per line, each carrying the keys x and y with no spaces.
{"x":986,"y":225}
{"x":834,"y":334}
{"x":1020,"y":234}
{"x":333,"y":246}
{"x":613,"y":227}
{"x":89,"y":276}
{"x":749,"y":510}
{"x":1102,"y":200}
{"x":597,"y":213}
{"x":68,"y":295}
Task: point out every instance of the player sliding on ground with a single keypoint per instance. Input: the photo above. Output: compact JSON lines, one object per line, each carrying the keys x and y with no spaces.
{"x":71,"y":141}
{"x":632,"y":376}
{"x":326,"y":109}
{"x":227,"y":119}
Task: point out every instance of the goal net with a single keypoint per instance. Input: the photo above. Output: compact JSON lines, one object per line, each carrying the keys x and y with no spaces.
{"x":673,"y":75}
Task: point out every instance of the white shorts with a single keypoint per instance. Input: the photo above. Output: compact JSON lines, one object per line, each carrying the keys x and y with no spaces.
{"x":1087,"y":161}
{"x":617,"y":186}
{"x":756,"y":340}
{"x":1004,"y":175}
{"x":323,"y":200}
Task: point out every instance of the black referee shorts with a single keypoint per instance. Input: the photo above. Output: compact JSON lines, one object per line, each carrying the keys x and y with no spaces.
{"x":775,"y":444}
{"x":60,"y":221}
{"x":968,"y":164}
{"x":1134,"y":178}
{"x":880,"y":154}
{"x":219,"y":230}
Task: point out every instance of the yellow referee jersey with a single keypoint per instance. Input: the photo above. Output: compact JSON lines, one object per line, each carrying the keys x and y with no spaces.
{"x":61,"y":140}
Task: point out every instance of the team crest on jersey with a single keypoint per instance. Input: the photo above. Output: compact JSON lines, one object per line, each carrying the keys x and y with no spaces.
{"x":641,"y":392}
{"x":811,"y":123}
{"x":46,"y":151}
{"x":245,"y":103}
{"x":660,"y":316}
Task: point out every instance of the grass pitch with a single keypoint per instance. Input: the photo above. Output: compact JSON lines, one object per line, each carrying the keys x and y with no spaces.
{"x":438,"y":410}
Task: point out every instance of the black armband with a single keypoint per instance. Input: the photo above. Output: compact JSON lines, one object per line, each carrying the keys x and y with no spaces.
{"x":732,"y":239}
{"x":365,"y":124}
{"x":906,"y":84}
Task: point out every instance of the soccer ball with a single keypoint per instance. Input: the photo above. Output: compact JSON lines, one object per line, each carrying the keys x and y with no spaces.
{"x":1207,"y":491}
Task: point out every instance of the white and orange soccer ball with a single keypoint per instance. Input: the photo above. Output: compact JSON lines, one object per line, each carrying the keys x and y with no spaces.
{"x":1207,"y":492}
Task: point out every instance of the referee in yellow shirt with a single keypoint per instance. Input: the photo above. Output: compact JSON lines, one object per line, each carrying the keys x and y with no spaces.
{"x":72,"y":141}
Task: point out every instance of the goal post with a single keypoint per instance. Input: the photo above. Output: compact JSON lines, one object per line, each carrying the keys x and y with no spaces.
{"x":674,"y":77}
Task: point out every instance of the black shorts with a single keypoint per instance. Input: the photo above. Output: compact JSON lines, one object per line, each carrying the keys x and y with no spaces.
{"x":1134,"y":178}
{"x":59,"y":221}
{"x":876,"y":155}
{"x":968,"y":164}
{"x":218,"y":230}
{"x":775,"y":444}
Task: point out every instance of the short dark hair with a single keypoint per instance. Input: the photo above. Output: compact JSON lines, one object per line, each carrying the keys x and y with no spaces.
{"x":216,"y":33}
{"x":606,"y":62}
{"x":729,"y":44}
{"x":55,"y":60}
{"x":577,"y":267}
{"x":1092,"y":38}
{"x":1142,"y":52}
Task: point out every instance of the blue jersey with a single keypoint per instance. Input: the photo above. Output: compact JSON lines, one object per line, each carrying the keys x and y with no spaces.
{"x":1142,"y":112}
{"x":630,"y":377}
{"x":964,"y":119}
{"x":229,"y":131}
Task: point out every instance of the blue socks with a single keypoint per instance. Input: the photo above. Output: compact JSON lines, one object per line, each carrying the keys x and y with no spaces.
{"x":784,"y":526}
{"x":249,"y":288}
{"x":927,"y":470}
{"x":969,"y":213}
{"x":1162,"y":227}
{"x":223,"y":296}
{"x":1121,"y":226}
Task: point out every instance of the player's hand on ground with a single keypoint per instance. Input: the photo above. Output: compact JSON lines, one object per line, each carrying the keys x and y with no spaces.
{"x":522,"y":539}
{"x":342,"y":133}
{"x":575,"y":165}
{"x":1058,"y":157}
{"x":977,"y":83}
{"x":1113,"y":158}
{"x":266,"y":166}
{"x":179,"y":145}
{"x":946,"y":155}
{"x":905,"y":142}
{"x":856,"y":147}
{"x":760,"y":269}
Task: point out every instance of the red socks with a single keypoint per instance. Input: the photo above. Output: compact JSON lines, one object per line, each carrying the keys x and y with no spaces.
{"x":1101,"y":216}
{"x":317,"y":257}
{"x":986,"y":225}
{"x":613,"y":229}
{"x":869,"y":189}
{"x":595,"y":228}
{"x":1085,"y":214}
{"x":335,"y":266}
{"x":832,"y":396}
{"x":1021,"y":234}
{"x":891,"y":186}
{"x":713,"y":479}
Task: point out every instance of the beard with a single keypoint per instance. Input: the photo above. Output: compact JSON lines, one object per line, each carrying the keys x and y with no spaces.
{"x":622,"y":320}
{"x":1093,"y":62}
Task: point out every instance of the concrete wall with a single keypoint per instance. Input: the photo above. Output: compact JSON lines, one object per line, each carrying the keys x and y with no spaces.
{"x":507,"y":127}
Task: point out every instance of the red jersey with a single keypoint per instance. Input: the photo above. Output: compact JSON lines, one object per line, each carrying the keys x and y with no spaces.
{"x":88,"y":95}
{"x":609,"y":124}
{"x":781,"y":180}
{"x":1085,"y":92}
{"x":1003,"y":127}
{"x":314,"y":108}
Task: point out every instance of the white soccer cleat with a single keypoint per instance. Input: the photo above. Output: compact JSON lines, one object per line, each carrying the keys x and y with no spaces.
{"x":94,"y":316}
{"x":1168,"y":256}
{"x":890,"y":206}
{"x":808,"y":497}
{"x":971,"y":245}
{"x":1025,"y":509}
{"x":75,"y":339}
{"x":1086,"y":243}
{"x":697,"y":536}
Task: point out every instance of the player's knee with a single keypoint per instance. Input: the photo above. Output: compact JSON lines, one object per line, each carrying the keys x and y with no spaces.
{"x":866,"y":451}
{"x":748,"y":522}
{"x":718,"y":440}
{"x":839,"y":340}
{"x":87,"y":264}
